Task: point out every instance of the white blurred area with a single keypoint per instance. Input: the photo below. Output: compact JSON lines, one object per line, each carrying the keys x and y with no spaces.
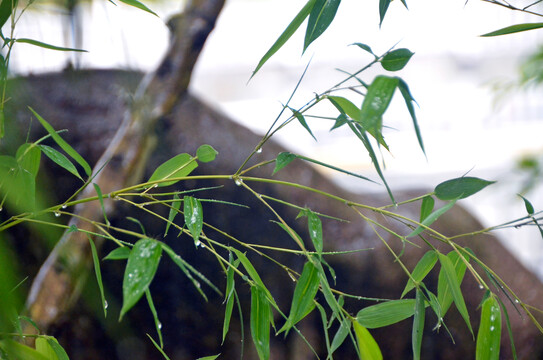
{"x":464,"y":125}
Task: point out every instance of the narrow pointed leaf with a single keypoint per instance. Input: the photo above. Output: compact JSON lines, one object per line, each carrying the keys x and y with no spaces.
{"x":101,"y":199}
{"x":28,"y":156}
{"x":47,"y":46}
{"x":140,"y":270}
{"x":454,"y":285}
{"x":383,"y":7}
{"x":367,"y":346}
{"x":396,"y":59}
{"x":301,"y":120}
{"x":59,"y":159}
{"x":423,"y":267}
{"x":253,"y":274}
{"x":409,"y":100}
{"x":176,"y":204}
{"x":59,"y":350}
{"x":418,"y":325}
{"x":206,"y":153}
{"x":158,"y":324}
{"x":98,"y":274}
{"x":158,"y":347}
{"x":320,"y":18}
{"x":364,"y":47}
{"x":528,"y":205}
{"x":120,"y":253}
{"x":460,"y":188}
{"x":229,"y":295}
{"x":345,"y":106}
{"x":315,"y":230}
{"x":260,"y":322}
{"x":444,"y":293}
{"x":386,"y":313}
{"x":340,"y":121}
{"x":430,"y":219}
{"x":287,"y":33}
{"x":139,"y":5}
{"x":63,"y":144}
{"x":179,"y":166}
{"x":283,"y":159}
{"x":194,"y":217}
{"x":489,"y":334}
{"x":340,"y":335}
{"x":515,"y":28}
{"x":426,"y":207}
{"x":6,"y":9}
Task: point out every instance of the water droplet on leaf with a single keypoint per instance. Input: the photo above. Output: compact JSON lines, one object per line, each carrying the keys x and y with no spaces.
{"x":238,"y":181}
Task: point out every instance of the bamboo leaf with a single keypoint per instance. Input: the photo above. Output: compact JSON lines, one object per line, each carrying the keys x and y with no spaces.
{"x":454,"y":285}
{"x":194,"y":217}
{"x":253,"y":274}
{"x":59,"y":159}
{"x":409,"y":100}
{"x":315,"y":230}
{"x":364,"y":47}
{"x":367,"y":346}
{"x":139,"y":5}
{"x":489,"y":334}
{"x":98,"y":274}
{"x":229,"y":294}
{"x":158,"y":324}
{"x":158,"y":347}
{"x":423,"y":267}
{"x":528,"y":205}
{"x":101,"y":200}
{"x":383,"y":7}
{"x":206,"y":153}
{"x":283,"y":159}
{"x":120,"y":253}
{"x":43,"y":347}
{"x":301,"y":120}
{"x":6,"y":9}
{"x":396,"y":59}
{"x":28,"y":156}
{"x":430,"y":219}
{"x":321,"y":16}
{"x":514,"y":29}
{"x":176,"y":204}
{"x":426,"y":207}
{"x":59,"y":350}
{"x":345,"y":106}
{"x":140,"y":270}
{"x":460,"y":188}
{"x":19,"y":351}
{"x":386,"y":313}
{"x":63,"y":144}
{"x":260,"y":322}
{"x":418,"y":324}
{"x":287,"y":33}
{"x":341,"y":334}
{"x":179,"y":166}
{"x":444,"y":294}
{"x":46,"y":46}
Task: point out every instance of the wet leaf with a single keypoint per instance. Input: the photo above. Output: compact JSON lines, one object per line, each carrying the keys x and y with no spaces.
{"x":423,"y":267}
{"x":59,"y":159}
{"x":386,"y":313}
{"x":158,"y":324}
{"x":206,"y":153}
{"x":460,"y":188}
{"x":367,"y":346}
{"x":28,"y":156}
{"x":489,"y":335}
{"x":179,"y":166}
{"x":260,"y":322}
{"x":283,"y":159}
{"x":321,"y":16}
{"x":101,"y":200}
{"x":418,"y":325}
{"x":194,"y":217}
{"x":140,"y":270}
{"x":396,"y":59}
{"x":229,"y":294}
{"x":515,"y":28}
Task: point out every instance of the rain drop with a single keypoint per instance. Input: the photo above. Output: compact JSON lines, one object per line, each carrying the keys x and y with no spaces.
{"x":291,"y":276}
{"x":238,"y":181}
{"x":516,"y":301}
{"x":481,"y":286}
{"x":116,"y":198}
{"x":57,"y":214}
{"x":197,"y":243}
{"x":1,"y":208}
{"x":105,"y":304}
{"x":492,"y":328}
{"x":259,"y":150}
{"x":159,"y":325}
{"x":64,"y":206}
{"x":197,"y":284}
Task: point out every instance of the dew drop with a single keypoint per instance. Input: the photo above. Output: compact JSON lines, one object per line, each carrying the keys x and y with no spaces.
{"x":481,"y":286}
{"x":516,"y":301}
{"x":57,"y":214}
{"x":259,"y":150}
{"x":159,"y":325}
{"x":197,"y":284}
{"x":291,"y":276}
{"x":238,"y":181}
{"x":116,"y":198}
{"x":492,"y":329}
{"x":1,"y":208}
{"x":64,"y":206}
{"x":197,"y":243}
{"x":105,"y":304}
{"x":155,"y":186}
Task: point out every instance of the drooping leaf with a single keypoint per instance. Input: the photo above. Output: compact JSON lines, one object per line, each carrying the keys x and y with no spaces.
{"x":367,"y":346}
{"x":260,"y":322}
{"x":101,"y":200}
{"x":321,"y":16}
{"x":194,"y":217}
{"x":409,"y":100}
{"x":176,"y":204}
{"x":454,"y":285}
{"x":383,"y":7}
{"x":28,"y":156}
{"x":158,"y":324}
{"x":444,"y":293}
{"x":229,"y":294}
{"x":460,"y":188}
{"x":179,"y":166}
{"x":140,"y":270}
{"x":314,"y":225}
{"x":98,"y":273}
{"x":287,"y":33}
{"x":283,"y":159}
{"x":423,"y":267}
{"x":528,"y":205}
{"x":375,"y":104}
{"x":63,"y":144}
{"x":301,"y":120}
{"x":253,"y":274}
{"x":139,"y":5}
{"x":426,"y":207}
{"x":396,"y":59}
{"x":158,"y":347}
{"x":430,"y":219}
{"x":489,"y":334}
{"x":514,"y":29}
{"x":418,"y":325}
{"x":206,"y":153}
{"x":46,"y":46}
{"x":386,"y":313}
{"x":341,"y":334}
{"x":59,"y":159}
{"x":345,"y":106}
{"x":364,"y":47}
{"x":304,"y":294}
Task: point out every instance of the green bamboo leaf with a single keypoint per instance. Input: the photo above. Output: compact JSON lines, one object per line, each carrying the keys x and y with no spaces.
{"x":17,"y":350}
{"x":43,"y":347}
{"x":101,"y":199}
{"x":139,"y":5}
{"x":304,"y":295}
{"x":460,"y":188}
{"x":206,"y":153}
{"x":120,"y":253}
{"x":364,"y":47}
{"x":514,"y":29}
{"x":63,"y":144}
{"x":59,"y":159}
{"x":386,"y":313}
{"x":98,"y":274}
{"x":158,"y":347}
{"x":454,"y":285}
{"x":423,"y":267}
{"x":57,"y":348}
{"x":341,"y":334}
{"x":444,"y":293}
{"x":509,"y":329}
{"x":158,"y":324}
{"x":210,"y":357}
{"x":287,"y":33}
{"x":426,"y":207}
{"x":314,"y":225}
{"x":430,"y":219}
{"x":383,"y":7}
{"x":320,"y":18}
{"x":528,"y":205}
{"x":489,"y":335}
{"x":28,"y":156}
{"x":418,"y":325}
{"x":179,"y":166}
{"x":345,"y":106}
{"x":283,"y":159}
{"x":396,"y":59}
{"x":301,"y":120}
{"x":229,"y":294}
{"x":409,"y":100}
{"x":46,"y":46}
{"x":260,"y":322}
{"x":194,"y":217}
{"x":6,"y":9}
{"x":340,"y":121}
{"x":140,"y":270}
{"x":176,"y":204}
{"x":367,"y":346}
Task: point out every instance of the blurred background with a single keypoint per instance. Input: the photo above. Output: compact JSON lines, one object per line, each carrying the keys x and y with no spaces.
{"x":479,"y":109}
